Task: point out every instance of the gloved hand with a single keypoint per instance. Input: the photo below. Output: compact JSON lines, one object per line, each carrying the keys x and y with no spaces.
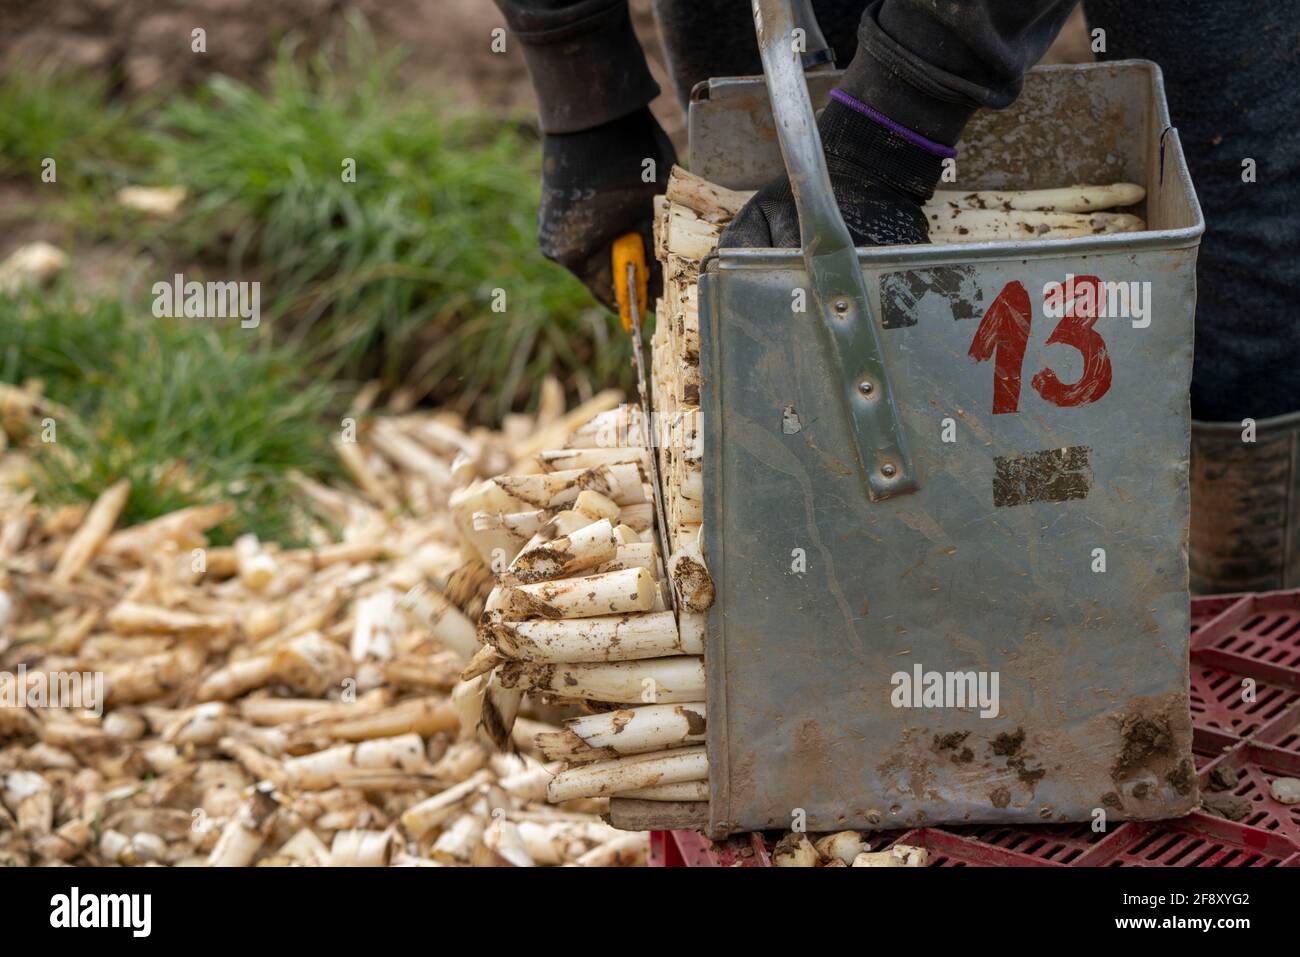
{"x":593,"y":192}
{"x":880,"y":180}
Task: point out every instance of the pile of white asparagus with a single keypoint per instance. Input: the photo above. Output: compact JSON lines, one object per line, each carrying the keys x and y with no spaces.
{"x":167,"y":702}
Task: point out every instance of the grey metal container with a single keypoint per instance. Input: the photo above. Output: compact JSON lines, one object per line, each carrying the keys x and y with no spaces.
{"x":868,"y":515}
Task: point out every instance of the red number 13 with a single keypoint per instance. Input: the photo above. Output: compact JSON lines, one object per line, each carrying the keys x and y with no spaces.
{"x":1003,"y":334}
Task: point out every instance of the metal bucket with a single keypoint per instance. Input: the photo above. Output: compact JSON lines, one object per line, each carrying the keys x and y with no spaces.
{"x":887,"y":516}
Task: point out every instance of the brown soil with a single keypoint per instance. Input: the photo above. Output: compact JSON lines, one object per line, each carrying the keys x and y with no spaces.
{"x":1145,"y":737}
{"x":1008,"y":743}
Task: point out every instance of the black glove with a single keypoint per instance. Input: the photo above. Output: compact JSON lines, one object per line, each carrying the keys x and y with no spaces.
{"x":880,"y":181}
{"x":593,"y":191}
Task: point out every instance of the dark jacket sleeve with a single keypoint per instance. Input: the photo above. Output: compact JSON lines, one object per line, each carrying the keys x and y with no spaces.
{"x":584,"y":58}
{"x":930,"y":65}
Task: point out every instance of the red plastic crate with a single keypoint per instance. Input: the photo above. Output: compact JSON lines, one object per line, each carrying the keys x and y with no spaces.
{"x":1235,"y":639}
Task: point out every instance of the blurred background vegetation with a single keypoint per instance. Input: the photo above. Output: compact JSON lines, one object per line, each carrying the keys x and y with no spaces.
{"x":390,"y":278}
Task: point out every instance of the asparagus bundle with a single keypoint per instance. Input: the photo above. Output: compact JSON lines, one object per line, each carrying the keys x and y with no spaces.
{"x":580,"y":613}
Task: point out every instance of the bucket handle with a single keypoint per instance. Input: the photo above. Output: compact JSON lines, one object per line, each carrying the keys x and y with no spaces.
{"x":839,"y":291}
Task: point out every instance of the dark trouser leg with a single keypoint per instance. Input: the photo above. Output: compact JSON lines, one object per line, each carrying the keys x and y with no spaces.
{"x":585,"y":61}
{"x":1233,"y":84}
{"x":1232,"y":78}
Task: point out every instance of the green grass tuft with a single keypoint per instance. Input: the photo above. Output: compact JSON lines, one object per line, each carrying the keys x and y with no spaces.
{"x":191,"y":411}
{"x":393,"y":275}
{"x":94,"y":140}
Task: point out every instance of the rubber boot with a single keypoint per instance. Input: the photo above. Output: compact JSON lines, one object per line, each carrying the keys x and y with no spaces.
{"x":1245,"y":532}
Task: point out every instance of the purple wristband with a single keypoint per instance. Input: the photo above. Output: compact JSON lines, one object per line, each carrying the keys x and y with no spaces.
{"x":930,"y":146}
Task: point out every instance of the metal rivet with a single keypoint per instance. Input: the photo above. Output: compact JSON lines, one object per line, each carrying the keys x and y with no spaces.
{"x":841,"y":305}
{"x":888,"y":471}
{"x":866,"y":388}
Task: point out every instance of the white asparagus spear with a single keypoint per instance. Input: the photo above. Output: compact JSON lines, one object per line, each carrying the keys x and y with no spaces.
{"x":423,"y":716}
{"x":691,"y":484}
{"x":185,"y":527}
{"x":484,"y":660}
{"x":563,"y":841}
{"x":500,"y":707}
{"x":467,"y":702}
{"x":843,"y":846}
{"x":605,"y":638}
{"x":566,"y":555}
{"x":596,"y":506}
{"x":137,"y":618}
{"x":99,"y":521}
{"x":900,"y":855}
{"x":520,"y":524}
{"x":651,"y":681}
{"x":312,"y":664}
{"x":559,"y":460}
{"x":614,"y":428}
{"x":795,"y":850}
{"x":693,"y":626}
{"x":530,"y":783}
{"x":978,"y":225}
{"x":404,"y":752}
{"x":633,"y":555}
{"x":459,"y":761}
{"x":246,"y":831}
{"x":237,"y":678}
{"x":638,"y":517}
{"x":611,"y":593}
{"x":622,"y":483}
{"x":305,"y":848}
{"x":624,"y":774}
{"x":626,"y":850}
{"x":431,"y":610}
{"x":681,"y":791}
{"x":257,"y":567}
{"x":562,"y":523}
{"x":360,"y":848}
{"x":422,"y":818}
{"x":625,"y":731}
{"x":711,"y":202}
{"x":485,"y":496}
{"x":457,"y":843}
{"x":690,"y":577}
{"x":1068,"y":199}
{"x":689,"y":236}
{"x":31,"y":799}
{"x":648,"y":728}
{"x":502,"y":836}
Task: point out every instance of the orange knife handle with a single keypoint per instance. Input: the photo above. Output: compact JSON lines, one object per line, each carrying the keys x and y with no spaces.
{"x":629,"y":248}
